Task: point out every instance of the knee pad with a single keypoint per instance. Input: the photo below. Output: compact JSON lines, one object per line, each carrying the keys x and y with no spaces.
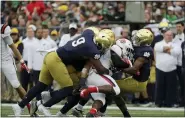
{"x":99,"y":96}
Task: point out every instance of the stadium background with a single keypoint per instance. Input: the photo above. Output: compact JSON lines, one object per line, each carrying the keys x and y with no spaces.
{"x":115,"y":15}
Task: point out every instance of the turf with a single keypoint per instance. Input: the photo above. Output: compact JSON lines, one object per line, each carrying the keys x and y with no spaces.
{"x":7,"y":111}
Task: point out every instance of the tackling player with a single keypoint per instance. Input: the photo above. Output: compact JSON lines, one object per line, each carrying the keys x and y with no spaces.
{"x":8,"y":66}
{"x":85,"y":47}
{"x":140,"y":70}
{"x":112,"y":58}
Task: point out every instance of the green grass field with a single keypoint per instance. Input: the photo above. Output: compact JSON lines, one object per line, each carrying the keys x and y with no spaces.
{"x":6,"y":111}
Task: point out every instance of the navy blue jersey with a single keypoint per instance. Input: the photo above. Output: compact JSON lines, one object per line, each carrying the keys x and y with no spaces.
{"x":147,"y":53}
{"x":81,"y":48}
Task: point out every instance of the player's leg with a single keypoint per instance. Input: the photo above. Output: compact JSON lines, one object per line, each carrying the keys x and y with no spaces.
{"x":122,"y":106}
{"x":104,"y":84}
{"x":128,"y":85}
{"x":131,"y":85}
{"x":45,"y":79}
{"x":74,"y":99}
{"x":10,"y":73}
{"x":78,"y":109}
{"x":71,"y":102}
{"x":60,"y":74}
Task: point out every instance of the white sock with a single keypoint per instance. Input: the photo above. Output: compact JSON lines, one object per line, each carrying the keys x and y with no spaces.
{"x":79,"y":107}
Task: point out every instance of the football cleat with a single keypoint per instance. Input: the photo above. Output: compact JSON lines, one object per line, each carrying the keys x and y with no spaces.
{"x":77,"y":113}
{"x":44,"y":110}
{"x":17,"y":110}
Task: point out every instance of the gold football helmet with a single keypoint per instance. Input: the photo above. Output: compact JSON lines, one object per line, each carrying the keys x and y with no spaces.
{"x":143,"y":37}
{"x":95,"y":30}
{"x":105,"y":39}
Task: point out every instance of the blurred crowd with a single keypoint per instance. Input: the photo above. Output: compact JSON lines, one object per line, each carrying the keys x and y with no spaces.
{"x":53,"y":13}
{"x":43,"y":20}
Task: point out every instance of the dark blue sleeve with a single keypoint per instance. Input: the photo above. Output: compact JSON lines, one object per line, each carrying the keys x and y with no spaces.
{"x":92,"y":50}
{"x":146,"y":53}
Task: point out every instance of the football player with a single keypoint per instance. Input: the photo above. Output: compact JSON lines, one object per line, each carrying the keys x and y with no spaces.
{"x":87,"y":46}
{"x":112,"y":58}
{"x":116,"y":57}
{"x":140,"y":70}
{"x":7,"y":61}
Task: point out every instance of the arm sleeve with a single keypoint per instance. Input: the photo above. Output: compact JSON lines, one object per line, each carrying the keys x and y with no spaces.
{"x":7,"y":32}
{"x":158,"y":47}
{"x":8,"y":40}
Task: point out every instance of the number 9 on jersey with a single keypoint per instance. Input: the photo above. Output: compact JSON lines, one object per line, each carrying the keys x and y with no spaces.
{"x":78,"y":42}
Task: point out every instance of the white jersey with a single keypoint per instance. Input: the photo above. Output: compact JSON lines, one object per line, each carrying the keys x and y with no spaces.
{"x":4,"y":50}
{"x":95,"y":79}
{"x":105,"y":60}
{"x":7,"y":66}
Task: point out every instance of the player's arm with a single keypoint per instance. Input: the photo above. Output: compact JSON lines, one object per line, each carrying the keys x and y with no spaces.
{"x":8,"y":40}
{"x":85,"y":70}
{"x":136,"y":66}
{"x":98,"y":66}
{"x":84,"y":75}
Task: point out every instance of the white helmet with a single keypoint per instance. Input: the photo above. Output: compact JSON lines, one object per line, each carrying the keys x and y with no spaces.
{"x":123,"y":48}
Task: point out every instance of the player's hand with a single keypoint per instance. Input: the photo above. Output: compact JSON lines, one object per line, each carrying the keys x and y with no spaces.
{"x":23,"y":66}
{"x":76,"y":91}
{"x":82,"y":82}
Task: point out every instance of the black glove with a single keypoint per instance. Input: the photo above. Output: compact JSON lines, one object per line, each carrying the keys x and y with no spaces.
{"x":81,"y":85}
{"x":76,"y":91}
{"x":82,"y":82}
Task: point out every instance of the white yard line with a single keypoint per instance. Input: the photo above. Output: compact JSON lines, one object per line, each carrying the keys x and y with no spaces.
{"x":116,"y":108}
